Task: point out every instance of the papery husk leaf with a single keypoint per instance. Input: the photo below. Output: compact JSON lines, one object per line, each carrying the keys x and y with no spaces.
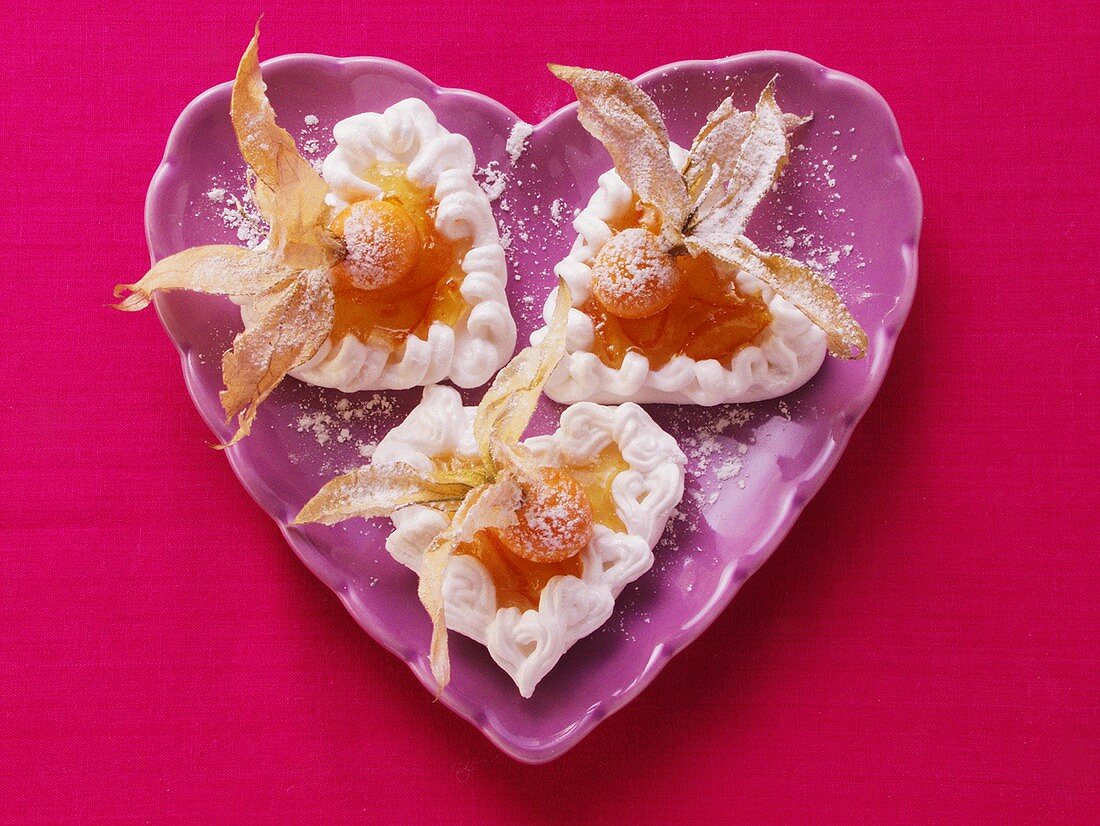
{"x":798,"y":284}
{"x":624,"y":119}
{"x":216,"y":269}
{"x":758,"y":164}
{"x":507,"y":406}
{"x":377,"y":490}
{"x":468,"y":471}
{"x":514,"y":457}
{"x":715,"y":150}
{"x":793,"y":122}
{"x":294,"y":324}
{"x":491,"y":505}
{"x":294,"y":200}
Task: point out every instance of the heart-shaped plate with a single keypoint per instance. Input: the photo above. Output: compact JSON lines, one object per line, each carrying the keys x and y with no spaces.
{"x":848,"y":200}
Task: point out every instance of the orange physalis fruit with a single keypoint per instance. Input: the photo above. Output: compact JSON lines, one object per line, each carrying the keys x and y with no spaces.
{"x":382,"y":243}
{"x":634,"y":276}
{"x":554,"y":521}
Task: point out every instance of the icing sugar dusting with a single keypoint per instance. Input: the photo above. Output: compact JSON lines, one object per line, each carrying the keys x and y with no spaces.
{"x":716,"y":458}
{"x":493,"y":180}
{"x":517,"y":140}
{"x":347,"y":429}
{"x":239,"y":213}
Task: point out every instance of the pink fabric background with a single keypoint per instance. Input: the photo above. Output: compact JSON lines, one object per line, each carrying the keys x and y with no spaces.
{"x":163,"y":656}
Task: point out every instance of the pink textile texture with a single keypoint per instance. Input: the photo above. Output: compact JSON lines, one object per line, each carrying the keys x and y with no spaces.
{"x":924,"y":644}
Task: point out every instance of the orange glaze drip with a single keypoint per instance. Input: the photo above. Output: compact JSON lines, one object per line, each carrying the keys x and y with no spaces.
{"x":708,"y":319}
{"x":429,"y":293}
{"x":518,"y":581}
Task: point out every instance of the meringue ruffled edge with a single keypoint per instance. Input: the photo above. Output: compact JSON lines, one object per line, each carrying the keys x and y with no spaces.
{"x":468,"y":354}
{"x":528,"y":644}
{"x":783,"y":357}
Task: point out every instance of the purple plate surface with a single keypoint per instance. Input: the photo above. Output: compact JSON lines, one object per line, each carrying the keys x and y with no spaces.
{"x":849,"y":201}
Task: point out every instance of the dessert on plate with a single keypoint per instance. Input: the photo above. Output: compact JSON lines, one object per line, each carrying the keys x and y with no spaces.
{"x":522,"y":546}
{"x":385,"y":272}
{"x":672,"y":302}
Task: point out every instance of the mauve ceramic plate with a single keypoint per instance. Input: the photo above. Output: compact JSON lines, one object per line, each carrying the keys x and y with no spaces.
{"x":849,"y":192}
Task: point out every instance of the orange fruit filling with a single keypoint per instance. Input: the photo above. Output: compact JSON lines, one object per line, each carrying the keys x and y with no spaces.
{"x":705,"y":318}
{"x":409,"y":279}
{"x":580,"y":498}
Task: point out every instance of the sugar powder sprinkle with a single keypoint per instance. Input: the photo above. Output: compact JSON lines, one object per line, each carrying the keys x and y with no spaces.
{"x":339,"y":424}
{"x":517,"y":140}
